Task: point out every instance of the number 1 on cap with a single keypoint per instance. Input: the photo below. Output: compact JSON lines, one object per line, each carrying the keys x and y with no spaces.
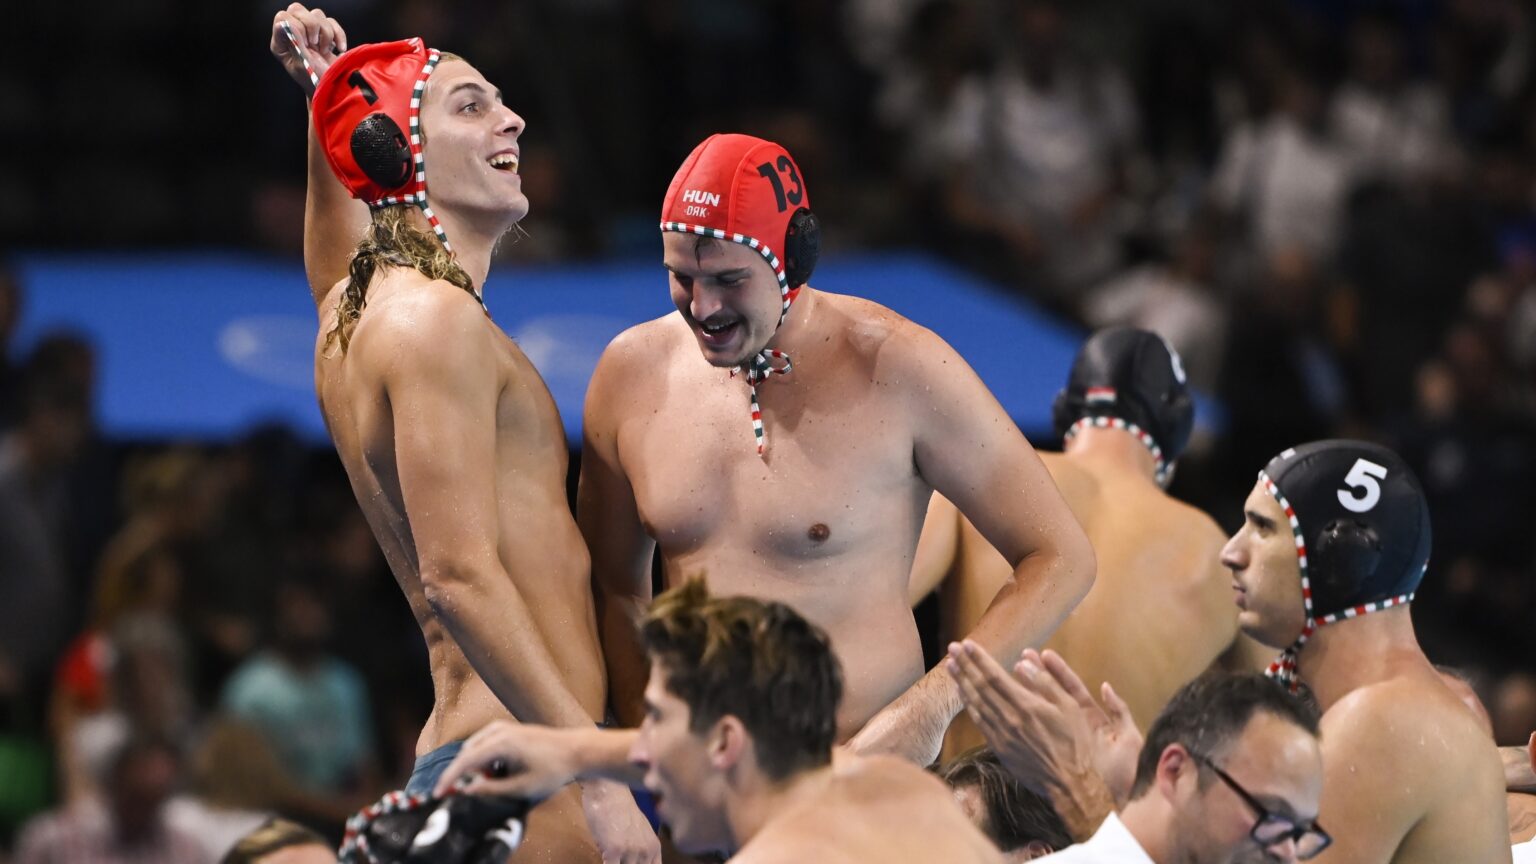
{"x":1362,"y":478}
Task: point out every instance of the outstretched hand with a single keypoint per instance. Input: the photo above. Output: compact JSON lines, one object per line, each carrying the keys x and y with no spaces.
{"x":1038,"y":731}
{"x":515,"y":759}
{"x":1118,"y":741}
{"x":306,"y":41}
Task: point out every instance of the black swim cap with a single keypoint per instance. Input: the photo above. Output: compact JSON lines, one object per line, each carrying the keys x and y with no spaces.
{"x":1361,"y":525}
{"x":1130,"y":375}
{"x":456,"y":828}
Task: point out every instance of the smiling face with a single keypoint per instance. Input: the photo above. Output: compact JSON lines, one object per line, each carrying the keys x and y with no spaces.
{"x":681,"y":770}
{"x":1266,"y":573}
{"x":469,"y":145}
{"x":727,"y":294}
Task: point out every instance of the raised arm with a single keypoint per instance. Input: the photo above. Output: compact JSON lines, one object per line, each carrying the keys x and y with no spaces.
{"x":333,"y":220}
{"x":443,"y":396}
{"x":969,"y":450}
{"x":621,"y":549}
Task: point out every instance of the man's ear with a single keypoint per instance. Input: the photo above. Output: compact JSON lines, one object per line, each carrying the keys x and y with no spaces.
{"x":728,"y":742}
{"x":1173,"y":765}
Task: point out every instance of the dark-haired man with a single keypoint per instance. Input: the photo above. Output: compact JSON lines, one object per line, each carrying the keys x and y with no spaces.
{"x":736,"y":746}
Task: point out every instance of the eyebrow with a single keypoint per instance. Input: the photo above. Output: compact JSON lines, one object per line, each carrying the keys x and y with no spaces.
{"x":734,"y":272}
{"x":471,"y":85}
{"x":1259,"y":520}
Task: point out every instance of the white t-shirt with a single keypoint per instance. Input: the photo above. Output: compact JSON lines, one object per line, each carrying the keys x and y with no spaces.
{"x":1111,"y":844}
{"x":1525,"y":853}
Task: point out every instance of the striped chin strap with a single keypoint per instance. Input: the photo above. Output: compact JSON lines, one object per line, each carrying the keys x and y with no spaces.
{"x":1283,"y":668}
{"x":1160,"y":466}
{"x":769,"y":361}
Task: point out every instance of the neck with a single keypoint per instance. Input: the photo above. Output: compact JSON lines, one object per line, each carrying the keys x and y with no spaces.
{"x":758,"y":802}
{"x":795,"y":331}
{"x":1344,"y":656}
{"x":1114,"y":449}
{"x":1150,"y":820}
{"x":472,"y":240}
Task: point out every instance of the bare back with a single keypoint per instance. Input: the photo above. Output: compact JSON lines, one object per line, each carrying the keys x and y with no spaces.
{"x":1410,"y":776}
{"x":1159,"y":613}
{"x":536,"y":538}
{"x":876,"y":809}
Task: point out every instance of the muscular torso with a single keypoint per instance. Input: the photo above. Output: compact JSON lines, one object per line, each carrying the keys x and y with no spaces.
{"x":1439,"y":773}
{"x":538,"y":543}
{"x":876,"y":809}
{"x":826,"y":523}
{"x":1158,"y":614}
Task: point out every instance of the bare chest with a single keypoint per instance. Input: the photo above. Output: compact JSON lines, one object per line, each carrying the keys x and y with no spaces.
{"x":837,"y":475}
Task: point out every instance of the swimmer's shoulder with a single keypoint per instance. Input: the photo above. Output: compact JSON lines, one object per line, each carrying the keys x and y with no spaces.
{"x":409,"y":314}
{"x":868,"y":327}
{"x":643,"y":345}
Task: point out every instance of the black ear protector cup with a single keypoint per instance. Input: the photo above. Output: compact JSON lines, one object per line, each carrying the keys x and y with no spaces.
{"x":382,"y":151}
{"x":1345,"y":558}
{"x":802,"y":246}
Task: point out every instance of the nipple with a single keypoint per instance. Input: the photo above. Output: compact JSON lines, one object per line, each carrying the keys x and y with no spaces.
{"x":819,"y":532}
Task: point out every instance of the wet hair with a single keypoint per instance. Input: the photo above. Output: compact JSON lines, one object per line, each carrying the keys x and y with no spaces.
{"x":393,"y":241}
{"x":759,"y":662}
{"x":1210,"y":712}
{"x":1016,"y":816}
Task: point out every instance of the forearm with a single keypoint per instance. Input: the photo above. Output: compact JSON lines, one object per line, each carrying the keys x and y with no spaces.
{"x":1032,"y":604}
{"x":1518,"y":773}
{"x":488,"y":618}
{"x":603,"y":754}
{"x":619,"y":618}
{"x":333,"y":223}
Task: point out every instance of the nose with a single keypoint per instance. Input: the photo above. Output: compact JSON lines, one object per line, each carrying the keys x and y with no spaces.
{"x":704,"y":302}
{"x":1284,"y":851}
{"x":1233,"y":556}
{"x":511,"y":123}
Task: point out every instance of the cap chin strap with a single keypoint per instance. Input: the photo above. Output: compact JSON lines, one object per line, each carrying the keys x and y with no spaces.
{"x":769,"y":361}
{"x":1283,"y":668}
{"x":1161,"y":470}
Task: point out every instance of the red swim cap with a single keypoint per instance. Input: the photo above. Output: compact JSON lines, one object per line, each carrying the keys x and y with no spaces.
{"x":738,"y":188}
{"x":367,"y":115}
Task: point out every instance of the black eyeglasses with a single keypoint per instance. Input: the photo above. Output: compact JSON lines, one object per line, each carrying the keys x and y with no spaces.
{"x":1272,"y":828}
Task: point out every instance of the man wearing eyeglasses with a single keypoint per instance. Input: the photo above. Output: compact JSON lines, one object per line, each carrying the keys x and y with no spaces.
{"x":1231,"y":772}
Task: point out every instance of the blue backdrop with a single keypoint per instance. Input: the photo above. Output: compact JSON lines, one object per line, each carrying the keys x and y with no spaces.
{"x":205,"y":346}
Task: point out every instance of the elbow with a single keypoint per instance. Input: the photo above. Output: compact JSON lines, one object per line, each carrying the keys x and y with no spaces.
{"x":444,"y":584}
{"x":1079,"y":564}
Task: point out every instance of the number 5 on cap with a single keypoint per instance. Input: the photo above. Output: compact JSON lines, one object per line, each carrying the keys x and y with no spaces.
{"x":1362,"y":479}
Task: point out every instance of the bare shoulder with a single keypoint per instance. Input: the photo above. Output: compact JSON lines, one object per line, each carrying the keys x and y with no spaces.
{"x":869,"y":778}
{"x":642,"y":344}
{"x":407,"y":312}
{"x":873,"y":330}
{"x":1383,"y":722}
{"x":1079,"y":487}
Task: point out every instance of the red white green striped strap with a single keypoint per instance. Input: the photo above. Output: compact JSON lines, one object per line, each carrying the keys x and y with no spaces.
{"x":1159,"y":465}
{"x":354,"y":843}
{"x":759,"y":369}
{"x":314,"y":79}
{"x":767,"y":362}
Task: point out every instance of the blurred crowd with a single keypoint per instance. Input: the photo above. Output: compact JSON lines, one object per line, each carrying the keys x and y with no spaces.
{"x":1329,"y":208}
